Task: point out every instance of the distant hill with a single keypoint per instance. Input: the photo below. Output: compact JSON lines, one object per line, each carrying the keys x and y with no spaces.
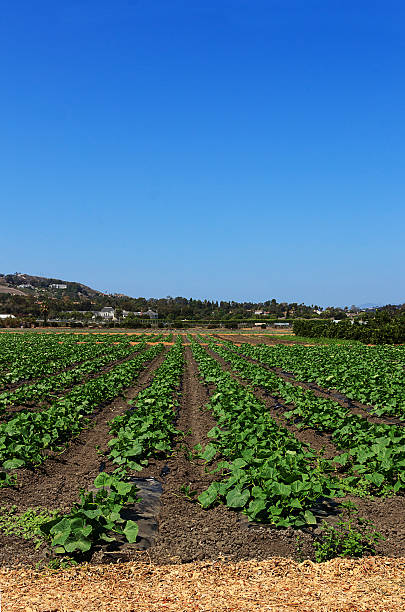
{"x":25,"y":284}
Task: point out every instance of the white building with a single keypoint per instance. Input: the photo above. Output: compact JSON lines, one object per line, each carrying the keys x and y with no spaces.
{"x":57,"y":286}
{"x":7,"y":316}
{"x":151,"y":314}
{"x":107,"y":313}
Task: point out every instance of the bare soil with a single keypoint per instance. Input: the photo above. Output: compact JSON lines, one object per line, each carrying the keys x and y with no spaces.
{"x":43,"y":403}
{"x":254,"y":339}
{"x":333,"y":394}
{"x":186,"y":532}
{"x":56,"y":483}
{"x":387,"y":514}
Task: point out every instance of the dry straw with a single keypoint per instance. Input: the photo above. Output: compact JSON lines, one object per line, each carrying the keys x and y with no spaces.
{"x":369,"y":584}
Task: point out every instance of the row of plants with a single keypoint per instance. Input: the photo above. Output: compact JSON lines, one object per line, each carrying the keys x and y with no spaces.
{"x":92,"y":520}
{"x":265,"y":471}
{"x":53,"y":385}
{"x":14,"y":347}
{"x":46,"y":362}
{"x":96,"y":516}
{"x":25,"y":438}
{"x":111,"y":337}
{"x":146,"y":429}
{"x":21,"y":346}
{"x":32,"y":348}
{"x":370,"y":375}
{"x":374,"y":454}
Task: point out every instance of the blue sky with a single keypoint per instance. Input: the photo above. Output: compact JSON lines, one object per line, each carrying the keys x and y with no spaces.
{"x":227,"y":149}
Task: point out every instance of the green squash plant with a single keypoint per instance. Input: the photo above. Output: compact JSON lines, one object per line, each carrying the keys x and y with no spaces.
{"x":95,"y":517}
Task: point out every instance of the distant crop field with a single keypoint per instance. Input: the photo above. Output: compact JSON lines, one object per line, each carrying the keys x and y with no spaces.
{"x":241,"y":445}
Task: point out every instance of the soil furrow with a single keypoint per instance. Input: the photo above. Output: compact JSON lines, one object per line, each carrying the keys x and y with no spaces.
{"x":56,"y":483}
{"x":79,"y":464}
{"x":186,"y":531}
{"x":386,"y":514}
{"x":276,"y":408}
{"x":333,"y":394}
{"x":43,"y":404}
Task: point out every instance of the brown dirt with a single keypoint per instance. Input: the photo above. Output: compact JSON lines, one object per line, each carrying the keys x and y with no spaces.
{"x":276,"y":409}
{"x":12,"y":290}
{"x":387,"y":514}
{"x":42,"y":403}
{"x":186,"y":532}
{"x":56,"y":483}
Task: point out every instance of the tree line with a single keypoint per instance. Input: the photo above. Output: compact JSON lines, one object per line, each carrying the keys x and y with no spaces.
{"x":382,"y":328}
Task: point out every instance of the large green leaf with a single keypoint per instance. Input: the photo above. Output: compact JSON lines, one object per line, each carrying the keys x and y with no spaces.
{"x":236,"y":498}
{"x":207,"y":498}
{"x":131,"y":531}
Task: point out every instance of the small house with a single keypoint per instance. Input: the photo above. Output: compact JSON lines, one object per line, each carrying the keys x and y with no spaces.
{"x":107,"y":313}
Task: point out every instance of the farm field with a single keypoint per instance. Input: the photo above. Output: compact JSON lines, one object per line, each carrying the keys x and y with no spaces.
{"x":240,"y":446}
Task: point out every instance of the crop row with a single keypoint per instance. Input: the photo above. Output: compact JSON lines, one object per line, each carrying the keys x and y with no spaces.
{"x":47,"y":355}
{"x":18,"y":350}
{"x":13,"y":350}
{"x":24,"y":438}
{"x":266,"y":471}
{"x":49,"y":362}
{"x":147,"y":429}
{"x":16,"y":347}
{"x":371,"y":375}
{"x":53,"y":385}
{"x":376,"y":452}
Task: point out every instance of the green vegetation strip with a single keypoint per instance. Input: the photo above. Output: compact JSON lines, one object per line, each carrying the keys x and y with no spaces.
{"x":370,"y":375}
{"x":376,"y":453}
{"x":94,"y":517}
{"x":49,"y":387}
{"x":49,"y":361}
{"x":267,"y":472}
{"x":382,"y":329}
{"x":20,"y":347}
{"x":24,"y":438}
{"x":148,"y":428}
{"x":26,"y":525}
{"x":145,"y":430}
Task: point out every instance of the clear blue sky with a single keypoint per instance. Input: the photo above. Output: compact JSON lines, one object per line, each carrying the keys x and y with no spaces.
{"x":234,"y":149}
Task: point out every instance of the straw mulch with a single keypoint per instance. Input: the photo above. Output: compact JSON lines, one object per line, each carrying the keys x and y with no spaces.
{"x":370,"y":584}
